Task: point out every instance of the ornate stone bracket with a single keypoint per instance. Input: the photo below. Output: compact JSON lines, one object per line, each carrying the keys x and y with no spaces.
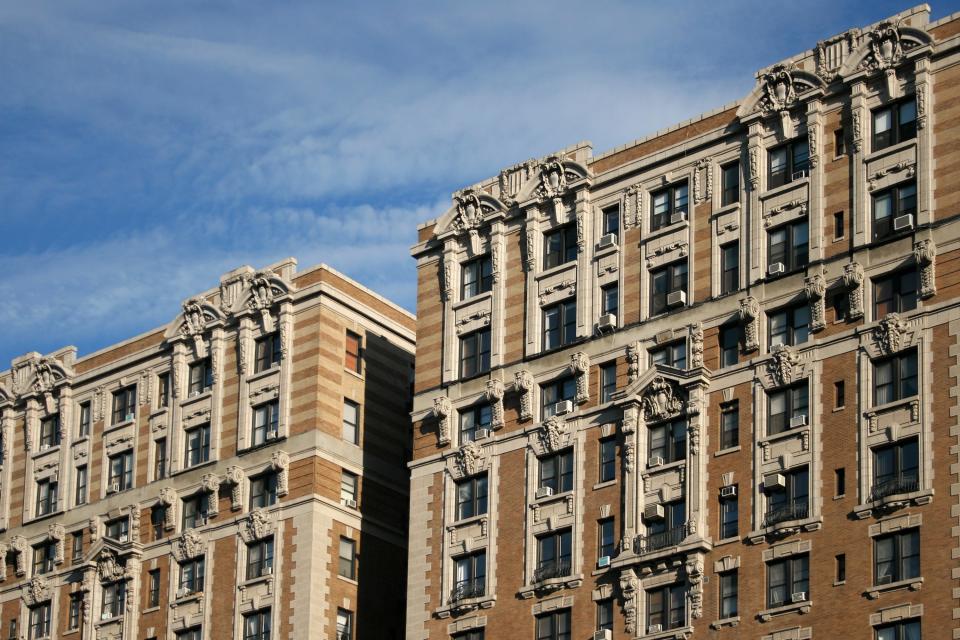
{"x":495,"y":392}
{"x":36,"y":590}
{"x":908,"y":168}
{"x":553,"y":185}
{"x":554,"y":435}
{"x":211,"y":486}
{"x":580,"y":366}
{"x":890,"y":333}
{"x":628,"y":596}
{"x":749,"y":315}
{"x":696,"y":345}
{"x":925,"y":253}
{"x":782,"y":365}
{"x":168,"y":499}
{"x":660,"y":400}
{"x":694,"y":570}
{"x":754,"y":166}
{"x":530,"y":257}
{"x":470,"y":459}
{"x":633,"y":361}
{"x":280,"y":462}
{"x":442,"y":409}
{"x":57,"y":533}
{"x":234,"y":478}
{"x":257,"y":526}
{"x":21,"y":550}
{"x":447,"y":272}
{"x":189,"y":545}
{"x":816,"y":289}
{"x":523,"y":383}
{"x":853,"y":280}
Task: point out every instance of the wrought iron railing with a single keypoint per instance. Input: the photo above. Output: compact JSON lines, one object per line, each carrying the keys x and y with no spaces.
{"x":552,"y":569}
{"x":893,"y":486}
{"x":656,"y":541}
{"x":464,"y":589}
{"x":791,"y":511}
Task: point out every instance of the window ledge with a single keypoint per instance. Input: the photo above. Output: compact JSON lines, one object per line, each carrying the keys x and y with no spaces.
{"x":259,"y":375}
{"x":913,"y":584}
{"x":80,"y":440}
{"x":551,"y":584}
{"x":480,"y":297}
{"x":193,"y":597}
{"x":666,"y":230}
{"x":159,"y":411}
{"x":347,"y":580}
{"x":912,"y":401}
{"x":677,"y":633}
{"x":151,"y":609}
{"x":45,"y":452}
{"x":557,"y":497}
{"x":891,"y":150}
{"x":785,"y":435}
{"x":358,"y":376}
{"x":784,"y":529}
{"x":466,"y":522}
{"x":605,"y":484}
{"x":793,"y":607}
{"x":203,"y":395}
{"x":725,"y":209}
{"x":466,"y":605}
{"x":118,"y":425}
{"x":70,"y":632}
{"x":723,"y":541}
{"x":546,"y":273}
{"x":793,"y":184}
{"x":669,"y":466}
{"x":727,"y":451}
{"x":893,"y":502}
{"x":601,"y":252}
{"x":106,"y":621}
{"x":726,"y":622}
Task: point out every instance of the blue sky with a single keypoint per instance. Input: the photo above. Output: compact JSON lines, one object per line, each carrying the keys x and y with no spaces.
{"x":148,"y":147}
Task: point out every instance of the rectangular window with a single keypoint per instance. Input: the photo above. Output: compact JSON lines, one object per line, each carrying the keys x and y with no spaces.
{"x":896,"y":557}
{"x":839,"y":394}
{"x":840,"y":566}
{"x":348,"y":487}
{"x":790,"y":326}
{"x":895,"y":293}
{"x":608,"y":459}
{"x":263,"y":490}
{"x":201,"y":377}
{"x":158,"y":520}
{"x":788,"y":248}
{"x":666,"y":608}
{"x":729,"y":588}
{"x":260,"y":558}
{"x":346,"y":566}
{"x":125,"y":405}
{"x":73,"y":617}
{"x":839,"y":143}
{"x":905,"y":630}
{"x":840,"y":304}
{"x":553,"y":556}
{"x":344,"y":624}
{"x":475,"y":353}
{"x":559,"y":324}
{"x":554,"y":626}
{"x":729,"y":268}
{"x":668,"y":442}
{"x":556,"y":472}
{"x":840,"y":482}
{"x":266,"y":422}
{"x":895,"y":378}
{"x":667,"y":531}
{"x":256,"y":625}
{"x":163,"y":390}
{"x":352,"y":357}
{"x":121,"y":472}
{"x":671,"y":355}
{"x":470,"y":576}
{"x":194,"y":511}
{"x":730,"y":425}
{"x":789,"y":501}
{"x":40,"y":621}
{"x":192,"y":573}
{"x":118,"y":529}
{"x":729,"y":516}
{"x":351,"y":421}
{"x":610,"y":299}
{"x":197,"y":445}
{"x":193,"y":633}
{"x":611,"y":220}
{"x":114,"y":597}
{"x":81,"y":486}
{"x":267,"y":352}
{"x":83,"y":429}
{"x":838,"y":226}
{"x":729,"y":184}
{"x":669,"y":206}
{"x":890,"y":204}
{"x":476,"y":417}
{"x":559,"y":246}
{"x":153,"y":593}
{"x":894,"y":123}
{"x":730,"y":338}
{"x":608,"y":382}
{"x":668,"y":287}
{"x":605,"y":614}
{"x":788,"y":580}
{"x":46,"y":497}
{"x":606,"y":544}
{"x":476,"y":277}
{"x":44,"y":555}
{"x":160,"y":459}
{"x":787,"y":163}
{"x":473,"y":634}
{"x":555,"y":392}
{"x":896,"y":469}
{"x":76,"y":546}
{"x":50,"y":431}
{"x":472,"y":497}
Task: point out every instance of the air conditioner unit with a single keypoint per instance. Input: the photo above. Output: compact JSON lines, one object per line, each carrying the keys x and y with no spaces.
{"x":728,"y":491}
{"x":653,"y":512}
{"x":774,"y":481}
{"x":201,"y":520}
{"x":655,"y":461}
{"x":603,"y":634}
{"x":799,"y":596}
{"x":604,"y":561}
{"x":44,"y":446}
{"x":887,"y":579}
{"x":268,"y":570}
{"x":350,"y":503}
{"x":105,"y":615}
{"x":798,"y":421}
{"x":678,"y":217}
{"x":481,"y":434}
{"x":123,"y":537}
{"x":271,"y":435}
{"x":655,"y":628}
{"x":182,"y":592}
{"x":608,"y":240}
{"x":131,"y":416}
{"x":902,"y":223}
{"x":803,"y":173}
{"x":776,"y":269}
{"x":115,"y":487}
{"x":676,"y":298}
{"x":607,"y":321}
{"x":544,"y":492}
{"x":562,"y":407}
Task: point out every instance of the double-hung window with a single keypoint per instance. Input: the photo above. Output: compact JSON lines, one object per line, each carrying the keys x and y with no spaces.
{"x":352,"y":359}
{"x":555,"y":392}
{"x":470,"y":576}
{"x":40,"y":621}
{"x":348,"y":487}
{"x":611,"y":220}
{"x":191,"y":576}
{"x":121,"y":472}
{"x":351,"y":421}
{"x":729,"y":516}
{"x":260,"y":558}
{"x":668,"y":441}
{"x":160,"y":459}
{"x":559,"y":324}
{"x":163,"y":390}
{"x":731,"y":336}
{"x":903,"y":630}
{"x":73,"y":615}
{"x":263,"y":490}
{"x":896,"y":557}
{"x":559,"y":246}
{"x":50,"y":431}
{"x":669,"y":530}
{"x":894,"y":123}
{"x":605,"y":614}
{"x":729,"y":183}
{"x":44,"y":555}
{"x":789,"y":501}
{"x":788,"y":580}
{"x":194,"y":511}
{"x":256,"y":625}
{"x":669,"y":206}
{"x":347,"y":561}
{"x":556,"y":472}
{"x":83,"y":428}
{"x":730,"y":267}
{"x":788,"y":162}
{"x":896,"y":469}
{"x":266,"y":422}
{"x":608,"y":382}
{"x":197,"y":445}
{"x":267,"y":352}
{"x":344,"y":624}
{"x":114,"y":597}
{"x":554,"y":626}
{"x":553,"y":555}
{"x":201,"y":376}
{"x":472,"y":497}
{"x":477,"y":277}
{"x":668,"y":287}
{"x":46,"y":496}
{"x":475,"y":353}
{"x":890,"y":204}
{"x":80,"y":497}
{"x":606,"y":543}
{"x":610,"y":299}
{"x":158,"y":520}
{"x":789,"y":326}
{"x":895,"y":293}
{"x":476,"y":417}
{"x":608,"y":459}
{"x":788,"y":247}
{"x":671,"y":355}
{"x":895,"y":378}
{"x":118,"y":529}
{"x":125,"y":404}
{"x":666,"y":608}
{"x":729,"y":425}
{"x":729,"y":588}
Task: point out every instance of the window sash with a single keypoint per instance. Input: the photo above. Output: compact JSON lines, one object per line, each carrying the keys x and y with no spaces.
{"x":352,"y":355}
{"x":475,"y":353}
{"x":477,"y":277}
{"x":730,"y":427}
{"x":729,"y":589}
{"x":347,"y":559}
{"x":351,"y":421}
{"x":786,"y":577}
{"x":607,"y":544}
{"x":557,"y":391}
{"x":559,"y":325}
{"x":471,"y":497}
{"x":556,"y":472}
{"x":729,"y":517}
{"x":124,"y":404}
{"x":560,"y":247}
{"x":891,"y":203}
{"x":259,"y":558}
{"x":611,"y":220}
{"x":610,"y":298}
{"x":730,"y":184}
{"x":554,"y":626}
{"x":730,"y":267}
{"x":667,"y":202}
{"x":267,"y":352}
{"x":608,"y":459}
{"x":192,"y":575}
{"x":665,"y":281}
{"x":669,"y":441}
{"x":608,"y":382}
{"x":198,"y":445}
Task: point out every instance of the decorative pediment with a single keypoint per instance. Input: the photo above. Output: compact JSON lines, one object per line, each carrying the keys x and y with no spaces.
{"x":189,"y":545}
{"x":262,"y":291}
{"x":554,"y":179}
{"x":662,"y":393}
{"x":36,"y":590}
{"x":195,"y":318}
{"x":471,"y":210}
{"x":883,"y":48}
{"x":469,"y":460}
{"x":36,"y":375}
{"x":778,"y":89}
{"x":256,"y":526}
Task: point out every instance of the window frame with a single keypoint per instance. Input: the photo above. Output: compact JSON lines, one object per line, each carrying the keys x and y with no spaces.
{"x":902,"y":385}
{"x":347,"y":564}
{"x":47,"y":497}
{"x":559,"y":562}
{"x":904,"y":565}
{"x":796,"y":569}
{"x":555,"y":625}
{"x":729,"y":193}
{"x":674,"y":447}
{"x":476,"y":277}
{"x":472,"y":497}
{"x":734,"y":330}
{"x":606,"y":538}
{"x":196,"y":444}
{"x":900,"y":131}
{"x":353,"y":359}
{"x":560,"y":466}
{"x":607,"y":459}
{"x":120,"y":470}
{"x":899,"y":196}
{"x":730,"y":516}
{"x":197,"y":513}
{"x":259,"y":560}
{"x":674,"y":354}
{"x":794,"y":255}
{"x":261,"y":622}
{"x":124,"y":408}
{"x":192,"y":575}
{"x":199,"y":377}
{"x":729,"y":592}
{"x":565,"y":330}
{"x":900,"y":299}
{"x":554,"y":392}
{"x":729,"y":275}
{"x":793,"y":330}
{"x":346,"y":424}
{"x":263,"y":490}
{"x":559,"y":246}
{"x":673,"y":598}
{"x":793,"y":163}
{"x":475,"y":350}
{"x":676,"y":278}
{"x":729,"y":433}
{"x":265,"y":420}
{"x":49,"y":432}
{"x":677,"y":201}
{"x":268,"y":352}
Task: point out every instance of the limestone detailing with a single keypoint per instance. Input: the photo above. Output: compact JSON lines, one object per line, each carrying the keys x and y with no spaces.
{"x":815,"y":287}
{"x":633,"y":361}
{"x":749,"y":317}
{"x":696,"y":345}
{"x":925,"y":254}
{"x":782,"y":365}
{"x":442,"y":408}
{"x":470,"y":459}
{"x":660,"y":400}
{"x":280,"y":463}
{"x":234,"y":478}
{"x":168,"y":500}
{"x":190,"y":544}
{"x":889,"y":334}
{"x":211,"y":486}
{"x":580,"y":366}
{"x":853,"y":279}
{"x":495,"y":393}
{"x":523,"y":383}
{"x":256,"y":526}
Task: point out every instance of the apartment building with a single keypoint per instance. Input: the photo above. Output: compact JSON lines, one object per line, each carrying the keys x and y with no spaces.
{"x":239,"y":473}
{"x":705,"y":384}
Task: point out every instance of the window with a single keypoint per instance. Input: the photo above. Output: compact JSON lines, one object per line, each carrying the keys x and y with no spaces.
{"x":896,"y":469}
{"x":76,"y":544}
{"x":191,"y":576}
{"x":894,"y":123}
{"x":671,"y":279}
{"x":896,"y":557}
{"x":559,"y":246}
{"x":559,"y":324}
{"x":198,"y":445}
{"x":260,"y":558}
{"x":163,"y":390}
{"x":475,"y":353}
{"x":50,"y":431}
{"x":13,"y":630}
{"x":40,"y":621}
{"x":73,"y":617}
{"x":353,"y":360}
{"x":839,"y":394}
{"x":473,"y":634}
{"x":606,"y":545}
{"x":553,"y":556}
{"x":346,"y":566}
{"x":730,"y":336}
{"x":840,"y":482}
{"x":895,"y":293}
{"x":556,"y":472}
{"x":840,"y":566}
{"x":729,"y":268}
{"x":671,"y":355}
{"x":788,"y":162}
{"x":118,"y":529}
{"x":729,"y":516}
{"x":476,"y":417}
{"x":44,"y":555}
{"x":194,"y":511}
{"x":790,"y":326}
{"x":266,"y":422}
{"x":201,"y":376}
{"x":557,"y":391}
{"x":838,"y":226}
{"x":729,"y":425}
{"x":470,"y":576}
{"x":158,"y":520}
{"x":267,"y":352}
{"x":125,"y":404}
{"x":471,"y":497}
{"x":608,"y":459}
{"x":348,"y":487}
{"x":256,"y":625}
{"x":80,"y":496}
{"x":344,"y":624}
{"x":667,"y":531}
{"x":160,"y":459}
{"x":788,"y":580}
{"x":840,"y":303}
{"x":46,"y":497}
{"x":729,"y":588}
{"x":114,"y":597}
{"x":904,"y":630}
{"x":193,"y":633}
{"x":608,"y":382}
{"x":477,"y":277}
{"x":351,"y":421}
{"x":839,"y":143}
{"x":890,"y":204}
{"x":669,"y":206}
{"x":729,"y":184}
{"x":666,"y":608}
{"x":554,"y":626}
{"x":788,"y":245}
{"x":611,"y":220}
{"x":83,"y":429}
{"x":668,"y":441}
{"x":121,"y":472}
{"x":789,"y":502}
{"x":895,"y":378}
{"x":263,"y":490}
{"x":610,"y":299}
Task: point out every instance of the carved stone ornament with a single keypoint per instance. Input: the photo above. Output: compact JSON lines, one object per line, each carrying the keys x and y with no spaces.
{"x":694,"y":570}
{"x":660,"y":401}
{"x":633,"y":362}
{"x":815,"y":287}
{"x":167,"y":499}
{"x":554,"y":434}
{"x":553,"y":184}
{"x":634,"y":214}
{"x":754,"y":162}
{"x":779,"y":95}
{"x":696,"y":345}
{"x":628,"y":592}
{"x":629,"y":457}
{"x":496,"y":260}
{"x":495,"y":392}
{"x":262,"y":295}
{"x":442,"y":408}
{"x":470,"y":458}
{"x":211,"y":486}
{"x":523,"y":382}
{"x":702,"y":180}
{"x":886,"y":49}
{"x":36,"y":590}
{"x":857,"y":130}
{"x":530,"y":249}
{"x":813,"y":144}
{"x":853,"y":280}
{"x":109,"y":567}
{"x":782,"y":364}
{"x":189,"y":545}
{"x":57,"y":533}
{"x":21,"y":549}
{"x":580,"y":365}
{"x":256,"y":526}
{"x":925,"y":253}
{"x":889,"y":334}
{"x":469,"y":217}
{"x":280,"y":462}
{"x":194,"y":323}
{"x":749,"y":314}
{"x":921,"y":95}
{"x":234,"y":477}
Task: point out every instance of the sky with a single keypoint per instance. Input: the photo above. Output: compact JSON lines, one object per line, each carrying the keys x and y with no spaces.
{"x":146,"y":148}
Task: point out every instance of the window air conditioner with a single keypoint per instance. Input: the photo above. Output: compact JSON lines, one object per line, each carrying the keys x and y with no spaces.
{"x":887,"y":579}
{"x":350,"y":503}
{"x":123,"y":538}
{"x":544,"y":492}
{"x":603,"y":634}
{"x":728,"y":491}
{"x":678,"y":217}
{"x":182,"y":592}
{"x":105,"y":615}
{"x":607,"y":321}
{"x":653,"y":512}
{"x":562,"y":407}
{"x":481,"y":434}
{"x":608,"y":240}
{"x":131,"y":416}
{"x":268,"y":570}
{"x":604,"y":561}
{"x":676,"y":298}
{"x":776,"y":269}
{"x":655,"y":628}
{"x":799,"y":596}
{"x":271,"y":435}
{"x":803,"y":173}
{"x":774,"y":481}
{"x":44,"y":446}
{"x":902,"y":223}
{"x":798,"y":421}
{"x":115,"y":487}
{"x":655,"y":461}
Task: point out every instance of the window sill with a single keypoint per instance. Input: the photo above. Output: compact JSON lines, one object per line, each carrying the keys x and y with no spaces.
{"x":727,"y":451}
{"x":913,"y":584}
{"x":551,"y":584}
{"x":669,"y":466}
{"x":151,"y":609}
{"x":466,"y":302}
{"x":783,"y":188}
{"x":911,"y":401}
{"x":785,"y":528}
{"x":836,"y":409}
{"x":260,"y":375}
{"x":793,"y":607}
{"x":785,"y":434}
{"x":725,"y":209}
{"x":81,"y":440}
{"x":196,"y":596}
{"x":250,"y":582}
{"x":159,"y":411}
{"x":199,"y":465}
{"x":666,"y":230}
{"x":257,"y":447}
{"x":466,"y":522}
{"x":893,"y":502}
{"x":723,"y":541}
{"x":891,"y":150}
{"x":605,"y":484}
{"x":560,"y":268}
{"x":677,"y":633}
{"x":119,"y":425}
{"x":358,"y":376}
{"x":466,"y":605}
{"x":839,"y":583}
{"x":602,"y":252}
{"x":191,"y":399}
{"x":111,"y":620}
{"x":840,"y":497}
{"x":557,"y":497}
{"x":45,"y":452}
{"x":726,"y":622}
{"x":70,"y":632}
{"x":347,"y":580}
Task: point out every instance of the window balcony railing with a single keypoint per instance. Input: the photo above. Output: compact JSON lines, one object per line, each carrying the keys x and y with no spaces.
{"x":792,"y":511}
{"x":656,"y":541}
{"x":894,"y":486}
{"x":552,"y":569}
{"x":464,"y":589}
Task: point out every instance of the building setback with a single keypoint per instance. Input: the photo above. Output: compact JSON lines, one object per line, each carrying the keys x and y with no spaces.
{"x":705,"y":384}
{"x":236,"y":474}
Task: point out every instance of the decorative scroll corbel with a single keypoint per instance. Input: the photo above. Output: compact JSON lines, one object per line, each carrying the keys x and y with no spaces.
{"x":754,"y":164}
{"x":815,"y":287}
{"x":442,"y":408}
{"x":696,"y":345}
{"x":168,"y":500}
{"x":749,"y":315}
{"x":530,"y":257}
{"x":57,"y":533}
{"x":925,"y":254}
{"x":694,"y":570}
{"x":4,"y":549}
{"x":853,"y":280}
{"x":523,"y":383}
{"x":495,"y":392}
{"x":211,"y":486}
{"x":580,"y":365}
{"x":446,"y":269}
{"x":20,"y":548}
{"x":628,"y":597}
{"x":234,"y":477}
{"x":633,"y":362}
{"x":280,"y":462}
{"x":857,"y":129}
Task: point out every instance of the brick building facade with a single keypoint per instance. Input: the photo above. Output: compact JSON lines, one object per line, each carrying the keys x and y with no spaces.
{"x":705,"y":384}
{"x":236,"y":474}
